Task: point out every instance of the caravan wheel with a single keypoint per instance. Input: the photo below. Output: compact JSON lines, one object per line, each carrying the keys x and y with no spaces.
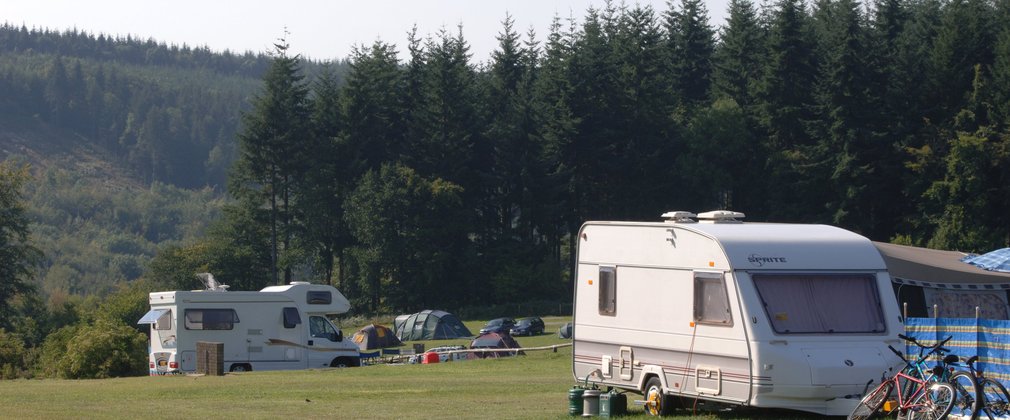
{"x":657,"y":403}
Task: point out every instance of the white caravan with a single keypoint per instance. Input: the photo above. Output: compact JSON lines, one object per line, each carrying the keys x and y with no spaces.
{"x":279,"y":327}
{"x":761,"y":314}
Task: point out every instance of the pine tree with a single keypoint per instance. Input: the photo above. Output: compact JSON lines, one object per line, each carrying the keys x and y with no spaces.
{"x":848,"y":152}
{"x":691,"y":48}
{"x":965,"y":37}
{"x":326,"y":183}
{"x":18,"y":257}
{"x":737,"y":58}
{"x":373,"y":104}
{"x":784,"y":98}
{"x":273,"y":153}
{"x":557,"y":127}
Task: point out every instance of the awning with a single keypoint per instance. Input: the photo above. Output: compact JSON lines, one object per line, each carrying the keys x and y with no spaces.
{"x":937,"y":268}
{"x":152,"y":316}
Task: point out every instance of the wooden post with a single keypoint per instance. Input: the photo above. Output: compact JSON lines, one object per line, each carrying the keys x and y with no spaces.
{"x":976,"y":313}
{"x":904,"y":311}
{"x":936,"y":311}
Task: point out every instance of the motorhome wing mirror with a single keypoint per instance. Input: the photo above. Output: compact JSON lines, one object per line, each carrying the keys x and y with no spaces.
{"x":338,"y":336}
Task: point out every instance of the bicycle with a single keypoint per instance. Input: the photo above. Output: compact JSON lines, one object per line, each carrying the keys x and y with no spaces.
{"x":968,"y":397}
{"x":926,"y":399}
{"x":996,"y":399}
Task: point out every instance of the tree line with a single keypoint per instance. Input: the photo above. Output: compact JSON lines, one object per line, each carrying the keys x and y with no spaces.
{"x":435,"y":181}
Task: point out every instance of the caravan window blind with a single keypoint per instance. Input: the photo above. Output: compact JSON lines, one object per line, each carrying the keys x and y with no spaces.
{"x":608,"y":291}
{"x":821,"y":303}
{"x":711,"y":303}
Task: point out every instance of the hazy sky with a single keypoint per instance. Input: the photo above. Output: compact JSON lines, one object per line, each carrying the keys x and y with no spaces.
{"x":318,"y":29}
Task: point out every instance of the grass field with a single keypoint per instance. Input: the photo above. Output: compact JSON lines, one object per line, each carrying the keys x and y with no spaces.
{"x":534,"y":386}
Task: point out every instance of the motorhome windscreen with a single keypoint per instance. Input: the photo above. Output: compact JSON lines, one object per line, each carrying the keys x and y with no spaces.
{"x":821,"y":303}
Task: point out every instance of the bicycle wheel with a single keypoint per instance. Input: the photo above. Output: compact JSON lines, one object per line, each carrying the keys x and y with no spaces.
{"x":869,"y":406}
{"x":997,"y":400}
{"x":933,"y":403}
{"x":967,"y":395}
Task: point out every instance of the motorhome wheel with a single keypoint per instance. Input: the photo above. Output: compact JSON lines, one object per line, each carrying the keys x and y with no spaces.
{"x":240,"y":367}
{"x":343,"y":362}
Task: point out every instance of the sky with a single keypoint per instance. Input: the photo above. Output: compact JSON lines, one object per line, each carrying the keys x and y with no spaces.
{"x":317,"y":29}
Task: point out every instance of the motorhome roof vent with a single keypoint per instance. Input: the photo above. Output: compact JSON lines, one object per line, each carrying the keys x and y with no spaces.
{"x":720,"y":216}
{"x":678,"y":217}
{"x":300,"y":282}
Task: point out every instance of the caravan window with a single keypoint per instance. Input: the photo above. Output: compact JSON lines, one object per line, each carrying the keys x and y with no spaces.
{"x":711,"y":303}
{"x":821,"y":303}
{"x":211,"y":319}
{"x":608,"y":290}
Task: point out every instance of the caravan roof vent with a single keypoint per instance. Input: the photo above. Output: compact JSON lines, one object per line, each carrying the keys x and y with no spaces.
{"x":678,"y":216}
{"x":720,"y":216}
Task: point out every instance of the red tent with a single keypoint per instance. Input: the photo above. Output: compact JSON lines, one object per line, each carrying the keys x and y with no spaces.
{"x":496,"y":341}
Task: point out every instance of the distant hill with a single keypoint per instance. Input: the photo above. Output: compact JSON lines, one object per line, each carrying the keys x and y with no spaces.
{"x":129,"y":142}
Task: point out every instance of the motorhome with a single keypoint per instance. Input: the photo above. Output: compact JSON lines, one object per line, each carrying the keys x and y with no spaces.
{"x":277,"y":328}
{"x":707,"y":307}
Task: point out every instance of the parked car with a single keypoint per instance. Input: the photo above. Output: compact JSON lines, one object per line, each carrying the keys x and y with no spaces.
{"x":528,"y":326}
{"x":498,"y":325}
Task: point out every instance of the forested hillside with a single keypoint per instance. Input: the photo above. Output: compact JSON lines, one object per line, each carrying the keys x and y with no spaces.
{"x":438,"y":181}
{"x":129,"y":143}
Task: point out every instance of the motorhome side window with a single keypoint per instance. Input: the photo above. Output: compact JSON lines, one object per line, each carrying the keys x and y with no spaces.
{"x":821,"y":303}
{"x":291,"y":317}
{"x":608,"y":291}
{"x":319,"y":297}
{"x":711,"y":303}
{"x":164,"y":321}
{"x":210,"y":319}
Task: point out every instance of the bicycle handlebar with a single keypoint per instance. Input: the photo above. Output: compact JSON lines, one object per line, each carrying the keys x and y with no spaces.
{"x":902,"y":356}
{"x":923,"y":354}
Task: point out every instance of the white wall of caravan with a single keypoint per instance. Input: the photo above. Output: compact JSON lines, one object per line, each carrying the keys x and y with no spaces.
{"x":654,"y":312}
{"x":648,"y":245}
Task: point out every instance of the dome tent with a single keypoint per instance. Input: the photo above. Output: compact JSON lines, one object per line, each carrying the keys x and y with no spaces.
{"x":429,"y":325}
{"x":493,"y":340}
{"x":375,"y":337}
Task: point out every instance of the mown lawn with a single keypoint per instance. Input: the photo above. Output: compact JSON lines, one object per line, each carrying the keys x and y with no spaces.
{"x":534,"y":386}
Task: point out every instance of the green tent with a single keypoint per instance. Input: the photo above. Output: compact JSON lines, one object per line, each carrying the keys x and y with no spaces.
{"x":429,"y":325}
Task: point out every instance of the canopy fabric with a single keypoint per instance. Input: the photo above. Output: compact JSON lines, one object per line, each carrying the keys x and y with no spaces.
{"x":998,"y":260}
{"x":937,"y":268}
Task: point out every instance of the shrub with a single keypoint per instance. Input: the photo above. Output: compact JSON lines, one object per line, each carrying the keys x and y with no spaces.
{"x":100,"y":350}
{"x":12,"y":356}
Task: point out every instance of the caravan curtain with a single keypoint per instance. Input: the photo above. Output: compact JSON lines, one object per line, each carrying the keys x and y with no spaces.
{"x":821,"y":303}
